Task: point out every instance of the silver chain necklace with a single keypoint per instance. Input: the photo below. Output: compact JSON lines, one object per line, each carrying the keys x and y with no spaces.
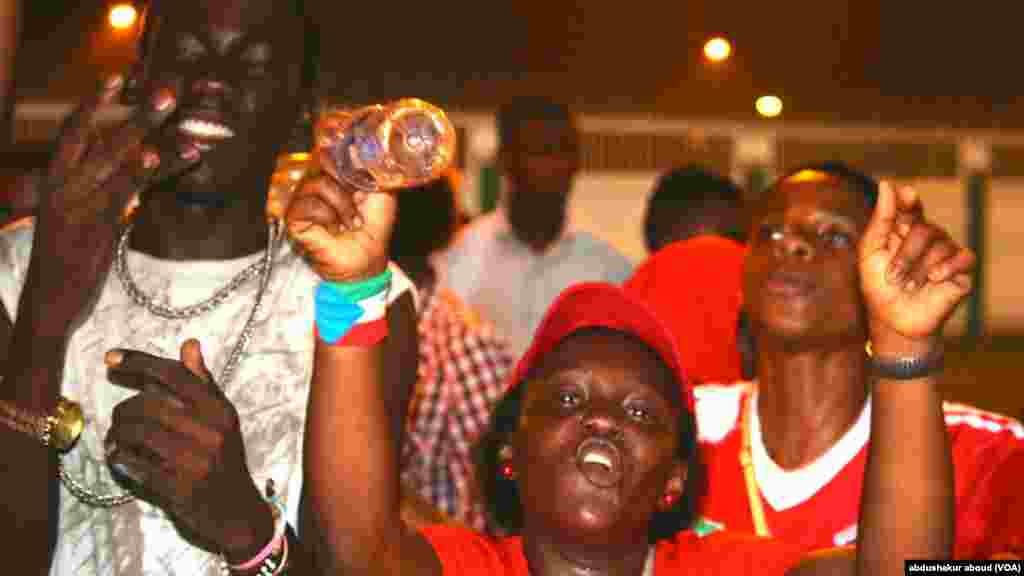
{"x":264,"y":268}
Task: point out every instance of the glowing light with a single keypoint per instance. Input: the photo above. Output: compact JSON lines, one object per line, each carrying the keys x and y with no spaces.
{"x":717,"y":49}
{"x":809,"y":175}
{"x":122,"y":16}
{"x":769,"y":106}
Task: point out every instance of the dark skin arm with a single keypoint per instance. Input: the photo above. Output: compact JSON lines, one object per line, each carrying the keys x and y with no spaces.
{"x":80,"y":200}
{"x":912,"y":276}
{"x":907,"y":501}
{"x":400,"y":350}
{"x":357,"y":454}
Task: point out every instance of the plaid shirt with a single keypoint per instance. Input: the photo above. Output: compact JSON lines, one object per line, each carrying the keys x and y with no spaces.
{"x":462,"y":369}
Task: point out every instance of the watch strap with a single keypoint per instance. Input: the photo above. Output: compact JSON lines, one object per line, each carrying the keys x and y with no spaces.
{"x":906,"y":368}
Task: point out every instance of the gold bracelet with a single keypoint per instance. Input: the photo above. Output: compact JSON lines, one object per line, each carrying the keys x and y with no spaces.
{"x":59,"y":430}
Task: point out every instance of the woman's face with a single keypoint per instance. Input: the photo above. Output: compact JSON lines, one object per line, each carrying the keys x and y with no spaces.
{"x":597,"y":442}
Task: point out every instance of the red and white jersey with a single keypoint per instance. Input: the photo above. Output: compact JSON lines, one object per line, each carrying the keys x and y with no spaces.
{"x":816,"y":506}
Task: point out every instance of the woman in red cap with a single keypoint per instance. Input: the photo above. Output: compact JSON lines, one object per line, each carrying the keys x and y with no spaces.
{"x":598,"y":446}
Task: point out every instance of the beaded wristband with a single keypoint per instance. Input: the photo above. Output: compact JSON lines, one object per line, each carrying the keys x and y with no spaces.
{"x":268,"y":555}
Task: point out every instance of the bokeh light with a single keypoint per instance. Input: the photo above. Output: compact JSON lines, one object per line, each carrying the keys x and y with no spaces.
{"x":717,"y":49}
{"x":768,"y":106}
{"x":122,"y":16}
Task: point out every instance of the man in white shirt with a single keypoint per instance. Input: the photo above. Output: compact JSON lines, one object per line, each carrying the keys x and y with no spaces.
{"x":511,"y":264}
{"x":156,"y":485}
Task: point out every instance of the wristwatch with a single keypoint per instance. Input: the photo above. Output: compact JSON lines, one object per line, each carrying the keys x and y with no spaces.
{"x":909,"y":368}
{"x":58,"y":430}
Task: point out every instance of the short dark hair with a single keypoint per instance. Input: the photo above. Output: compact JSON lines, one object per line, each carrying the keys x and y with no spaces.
{"x":426,"y":222}
{"x":514,"y":114}
{"x":501,"y":495}
{"x":690,"y":195}
{"x":850,"y":177}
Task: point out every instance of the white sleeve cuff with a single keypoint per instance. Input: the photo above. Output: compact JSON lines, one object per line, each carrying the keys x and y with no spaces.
{"x":400,"y":283}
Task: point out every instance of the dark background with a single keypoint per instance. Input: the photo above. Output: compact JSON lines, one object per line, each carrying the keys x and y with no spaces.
{"x":942,"y":65}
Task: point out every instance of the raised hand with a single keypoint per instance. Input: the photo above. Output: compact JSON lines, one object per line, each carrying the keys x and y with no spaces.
{"x":90,"y":180}
{"x":344,"y":232}
{"x":179,"y":444}
{"x":913,"y":275}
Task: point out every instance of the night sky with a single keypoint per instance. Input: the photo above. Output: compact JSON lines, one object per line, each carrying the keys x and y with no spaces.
{"x":835,"y":61}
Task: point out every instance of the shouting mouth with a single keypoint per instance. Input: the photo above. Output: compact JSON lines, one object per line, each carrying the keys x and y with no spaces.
{"x":789,"y":285}
{"x":204,"y":133}
{"x":600,"y":462}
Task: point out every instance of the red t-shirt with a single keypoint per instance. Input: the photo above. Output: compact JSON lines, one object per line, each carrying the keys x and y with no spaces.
{"x":463,"y":552}
{"x":817,"y":506}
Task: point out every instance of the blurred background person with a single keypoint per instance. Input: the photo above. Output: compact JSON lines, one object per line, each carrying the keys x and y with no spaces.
{"x":692,"y":231}
{"x":513,"y":262}
{"x":462,"y":364}
{"x":692,"y":201}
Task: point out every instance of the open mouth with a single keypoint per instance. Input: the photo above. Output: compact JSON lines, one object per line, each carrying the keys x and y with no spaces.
{"x":788,"y":284}
{"x":204,"y":133}
{"x":600,"y":462}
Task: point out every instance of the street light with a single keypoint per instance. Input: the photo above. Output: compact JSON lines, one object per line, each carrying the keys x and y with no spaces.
{"x":717,"y":49}
{"x":768,"y":106}
{"x":122,"y":16}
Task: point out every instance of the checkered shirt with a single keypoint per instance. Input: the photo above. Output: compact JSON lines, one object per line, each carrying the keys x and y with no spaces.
{"x":462,"y":368}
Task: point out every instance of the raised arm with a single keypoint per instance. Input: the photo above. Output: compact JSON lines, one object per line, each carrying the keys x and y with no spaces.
{"x":80,"y":202}
{"x":906,"y":508}
{"x":358,"y":398}
{"x":912,"y":276}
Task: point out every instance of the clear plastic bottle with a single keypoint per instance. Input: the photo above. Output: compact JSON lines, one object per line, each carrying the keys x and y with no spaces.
{"x":384,"y":147}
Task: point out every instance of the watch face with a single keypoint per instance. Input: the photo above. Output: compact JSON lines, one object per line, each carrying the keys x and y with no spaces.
{"x":68,"y":423}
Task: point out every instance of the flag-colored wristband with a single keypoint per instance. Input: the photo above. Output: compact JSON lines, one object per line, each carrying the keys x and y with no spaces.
{"x":356,"y":291}
{"x":352,"y":313}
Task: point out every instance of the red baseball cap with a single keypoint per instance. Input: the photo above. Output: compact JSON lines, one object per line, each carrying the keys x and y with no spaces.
{"x":601,"y":305}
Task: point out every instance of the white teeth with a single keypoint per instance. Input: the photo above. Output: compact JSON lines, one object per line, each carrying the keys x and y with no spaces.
{"x":597,"y":458}
{"x":205,"y":129}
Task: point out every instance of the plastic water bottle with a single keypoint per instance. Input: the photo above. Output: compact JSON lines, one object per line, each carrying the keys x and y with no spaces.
{"x":398,"y":145}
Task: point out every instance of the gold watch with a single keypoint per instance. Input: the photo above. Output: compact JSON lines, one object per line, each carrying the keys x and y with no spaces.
{"x":58,"y":430}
